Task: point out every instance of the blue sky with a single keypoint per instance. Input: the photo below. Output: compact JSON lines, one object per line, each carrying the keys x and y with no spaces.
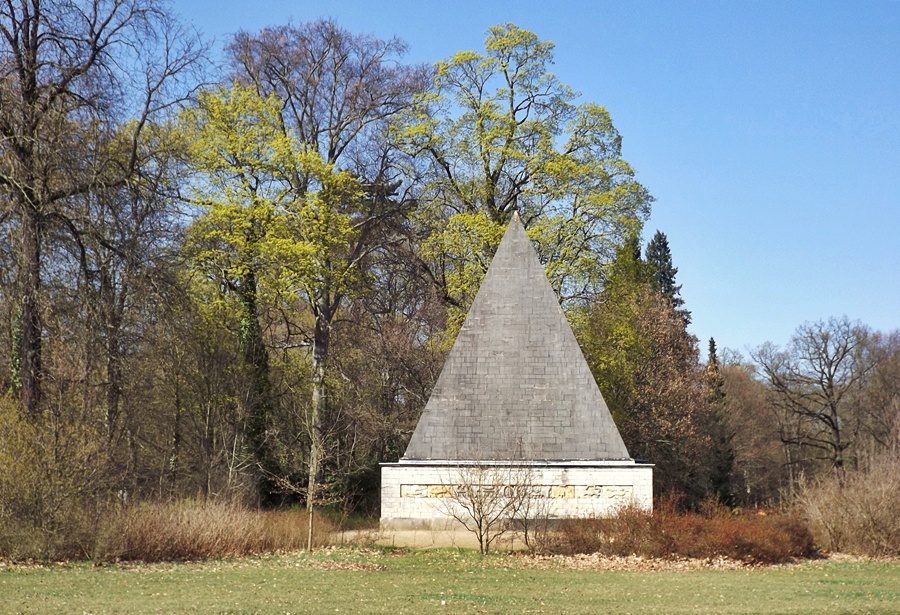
{"x":769,"y":133}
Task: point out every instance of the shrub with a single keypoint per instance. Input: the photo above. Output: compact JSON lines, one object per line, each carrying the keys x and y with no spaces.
{"x":52,"y":473}
{"x":859,"y":515}
{"x":668,"y":533}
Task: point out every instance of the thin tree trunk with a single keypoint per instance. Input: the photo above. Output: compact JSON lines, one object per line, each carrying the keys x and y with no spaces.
{"x":113,"y":381}
{"x":790,"y":468}
{"x":838,"y":459}
{"x":175,"y":457}
{"x":112,"y":312}
{"x":208,"y":450}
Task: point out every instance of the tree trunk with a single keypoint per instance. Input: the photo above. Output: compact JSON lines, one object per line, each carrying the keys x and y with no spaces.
{"x":319,"y":404}
{"x":259,"y":394}
{"x":791,"y":470}
{"x":838,"y":445}
{"x":175,"y":454}
{"x":113,"y":380}
{"x":32,"y":227}
{"x":112,"y":310}
{"x":208,"y":451}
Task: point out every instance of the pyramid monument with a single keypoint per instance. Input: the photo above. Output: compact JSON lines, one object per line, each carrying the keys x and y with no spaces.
{"x":516,"y":383}
{"x":516,"y":390}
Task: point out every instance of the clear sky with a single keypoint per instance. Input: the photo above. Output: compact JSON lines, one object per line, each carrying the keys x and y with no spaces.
{"x":769,"y":133}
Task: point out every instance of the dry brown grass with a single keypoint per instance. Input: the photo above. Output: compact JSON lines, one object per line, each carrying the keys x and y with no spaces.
{"x":163,"y":531}
{"x":187,"y":530}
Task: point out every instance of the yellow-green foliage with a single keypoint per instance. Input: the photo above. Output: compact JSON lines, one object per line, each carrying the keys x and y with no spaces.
{"x":270,"y":205}
{"x":468,"y":241}
{"x":233,"y":141}
{"x":311,"y":240}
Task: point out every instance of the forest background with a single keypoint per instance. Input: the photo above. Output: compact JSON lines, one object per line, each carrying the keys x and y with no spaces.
{"x":240,"y":283}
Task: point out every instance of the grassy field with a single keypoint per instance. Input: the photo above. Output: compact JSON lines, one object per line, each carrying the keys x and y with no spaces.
{"x":442,"y":581}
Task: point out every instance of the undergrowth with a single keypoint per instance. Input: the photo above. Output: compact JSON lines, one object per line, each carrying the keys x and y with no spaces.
{"x":857,"y":513}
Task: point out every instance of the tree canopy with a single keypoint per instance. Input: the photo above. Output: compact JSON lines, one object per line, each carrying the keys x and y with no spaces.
{"x":500,"y":133}
{"x":71,"y":73}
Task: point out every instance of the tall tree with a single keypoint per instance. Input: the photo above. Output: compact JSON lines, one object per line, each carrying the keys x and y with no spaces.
{"x":339,"y":91}
{"x":879,"y":407}
{"x":501,"y":133}
{"x":814,"y":382}
{"x":649,"y":374}
{"x":338,"y":88}
{"x":70,"y":72}
{"x":648,"y":369}
{"x":659,"y":258}
{"x":124,"y":250}
{"x":719,"y":429}
{"x":235,"y":144}
{"x":760,"y":472}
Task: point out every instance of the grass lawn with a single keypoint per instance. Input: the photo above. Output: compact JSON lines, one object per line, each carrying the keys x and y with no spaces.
{"x":442,"y":581}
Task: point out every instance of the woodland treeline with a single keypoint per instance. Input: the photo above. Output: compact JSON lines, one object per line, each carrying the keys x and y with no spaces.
{"x":241,"y":281}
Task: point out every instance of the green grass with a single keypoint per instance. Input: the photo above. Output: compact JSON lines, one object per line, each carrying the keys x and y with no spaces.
{"x":348,"y":581}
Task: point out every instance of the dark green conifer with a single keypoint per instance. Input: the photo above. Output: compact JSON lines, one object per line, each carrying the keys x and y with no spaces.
{"x":662,"y":271}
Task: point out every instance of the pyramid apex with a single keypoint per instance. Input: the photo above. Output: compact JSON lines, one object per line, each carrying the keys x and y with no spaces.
{"x":515,"y":215}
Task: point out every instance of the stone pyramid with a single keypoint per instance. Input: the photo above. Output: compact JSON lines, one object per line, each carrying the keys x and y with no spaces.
{"x":516,"y":385}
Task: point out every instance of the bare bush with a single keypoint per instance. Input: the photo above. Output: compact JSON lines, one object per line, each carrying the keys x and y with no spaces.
{"x":487,"y":498}
{"x":859,"y":514}
{"x":533,"y":518}
{"x":53,"y":505}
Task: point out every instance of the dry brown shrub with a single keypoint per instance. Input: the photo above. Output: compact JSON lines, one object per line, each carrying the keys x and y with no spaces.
{"x":859,"y":515}
{"x":669,"y":533}
{"x":55,"y":505}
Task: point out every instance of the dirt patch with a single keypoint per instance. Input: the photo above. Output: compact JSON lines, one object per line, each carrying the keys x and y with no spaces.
{"x":421,"y":539}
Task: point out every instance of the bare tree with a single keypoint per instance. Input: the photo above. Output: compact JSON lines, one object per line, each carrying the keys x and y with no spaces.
{"x":814,"y":382}
{"x":80,"y":80}
{"x":879,"y":406}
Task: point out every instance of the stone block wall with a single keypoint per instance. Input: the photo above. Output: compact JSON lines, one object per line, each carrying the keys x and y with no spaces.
{"x":420,"y":495}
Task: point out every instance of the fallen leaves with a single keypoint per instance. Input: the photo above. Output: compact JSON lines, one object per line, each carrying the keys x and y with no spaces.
{"x":630,"y":563}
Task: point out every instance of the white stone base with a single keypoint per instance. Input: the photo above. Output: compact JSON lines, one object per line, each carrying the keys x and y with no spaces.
{"x":419,"y":495}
